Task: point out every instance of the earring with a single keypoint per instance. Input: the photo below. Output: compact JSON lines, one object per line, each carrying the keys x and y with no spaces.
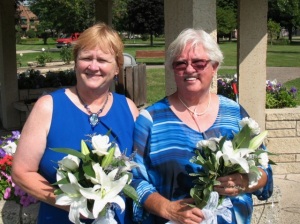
{"x":116,"y":78}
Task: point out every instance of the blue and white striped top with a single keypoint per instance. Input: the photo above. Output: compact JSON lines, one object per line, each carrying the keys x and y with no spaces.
{"x":164,"y":147}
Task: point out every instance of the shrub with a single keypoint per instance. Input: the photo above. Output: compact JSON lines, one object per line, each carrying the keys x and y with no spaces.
{"x":278,"y":96}
{"x":145,"y":37}
{"x":8,"y":189}
{"x":18,"y":59}
{"x":43,"y":57}
{"x":225,"y":87}
{"x":66,"y":54}
{"x":33,"y":79}
{"x":31,"y":33}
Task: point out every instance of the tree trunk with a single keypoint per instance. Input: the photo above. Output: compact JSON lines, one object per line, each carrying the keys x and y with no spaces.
{"x":290,"y":29}
{"x":151,"y":39}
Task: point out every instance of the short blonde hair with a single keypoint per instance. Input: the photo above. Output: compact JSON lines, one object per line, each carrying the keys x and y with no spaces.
{"x":102,"y":36}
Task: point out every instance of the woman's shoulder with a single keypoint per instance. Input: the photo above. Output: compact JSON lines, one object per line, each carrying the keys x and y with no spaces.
{"x":230,"y":106}
{"x":158,"y":105}
{"x":226,"y":100}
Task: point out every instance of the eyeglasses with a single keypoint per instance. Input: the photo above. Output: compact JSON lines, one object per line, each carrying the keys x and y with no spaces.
{"x":196,"y":64}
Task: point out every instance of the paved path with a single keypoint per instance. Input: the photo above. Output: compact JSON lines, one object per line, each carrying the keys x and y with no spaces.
{"x":290,"y":198}
{"x":283,"y":74}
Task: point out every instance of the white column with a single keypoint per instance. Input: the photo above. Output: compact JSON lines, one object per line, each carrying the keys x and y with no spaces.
{"x":187,"y":14}
{"x":252,"y":51}
{"x":10,"y":117}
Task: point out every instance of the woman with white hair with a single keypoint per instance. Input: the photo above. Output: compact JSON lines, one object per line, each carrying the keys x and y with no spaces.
{"x":167,"y":132}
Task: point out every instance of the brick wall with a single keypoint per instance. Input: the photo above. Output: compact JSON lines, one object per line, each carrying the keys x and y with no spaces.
{"x":283,"y":127}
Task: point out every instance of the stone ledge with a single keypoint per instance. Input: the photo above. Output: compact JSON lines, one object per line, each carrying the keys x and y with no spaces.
{"x":280,"y":125}
{"x":281,"y":133}
{"x":286,"y":168}
{"x":283,"y":145}
{"x":288,"y":114}
{"x":284,"y":158}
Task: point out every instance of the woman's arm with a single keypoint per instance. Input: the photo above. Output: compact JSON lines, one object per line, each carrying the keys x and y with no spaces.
{"x":30,"y":150}
{"x":133,"y":108}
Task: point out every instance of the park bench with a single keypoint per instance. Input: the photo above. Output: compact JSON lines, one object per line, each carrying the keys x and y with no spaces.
{"x":145,"y":54}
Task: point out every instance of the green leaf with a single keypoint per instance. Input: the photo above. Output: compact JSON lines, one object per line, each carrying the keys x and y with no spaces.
{"x":107,"y":159}
{"x":69,"y":151}
{"x":242,"y":139}
{"x":130,"y":192}
{"x":62,"y":181}
{"x":84,"y":149}
{"x":58,"y":191}
{"x":88,"y":168}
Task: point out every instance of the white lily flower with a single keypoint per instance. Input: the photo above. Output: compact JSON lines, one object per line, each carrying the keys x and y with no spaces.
{"x":100,"y":144}
{"x":258,"y":140}
{"x":263,"y":159}
{"x":237,"y":156}
{"x":69,"y":163}
{"x":117,"y":151}
{"x":253,"y":125}
{"x":210,"y":143}
{"x":73,"y":198}
{"x":10,"y":147}
{"x":254,"y":174}
{"x":43,"y":49}
{"x":107,"y":191}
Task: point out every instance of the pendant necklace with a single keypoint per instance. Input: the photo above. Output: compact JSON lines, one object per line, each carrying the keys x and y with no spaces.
{"x":194,"y":112}
{"x":93,"y":117}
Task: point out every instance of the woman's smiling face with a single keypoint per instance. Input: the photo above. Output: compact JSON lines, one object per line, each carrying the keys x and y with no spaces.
{"x":193,"y":69}
{"x":96,"y":68}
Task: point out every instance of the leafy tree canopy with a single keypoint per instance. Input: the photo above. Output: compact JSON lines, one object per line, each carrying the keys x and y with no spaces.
{"x":146,"y":17}
{"x":66,"y":16}
{"x":285,"y":12}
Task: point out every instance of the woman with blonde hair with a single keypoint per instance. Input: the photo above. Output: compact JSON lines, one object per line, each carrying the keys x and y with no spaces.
{"x":63,"y":118}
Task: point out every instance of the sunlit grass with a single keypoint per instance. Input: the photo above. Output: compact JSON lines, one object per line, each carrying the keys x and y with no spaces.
{"x":156,"y":89}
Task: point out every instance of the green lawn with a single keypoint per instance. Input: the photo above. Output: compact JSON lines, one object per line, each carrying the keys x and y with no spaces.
{"x":277,"y":56}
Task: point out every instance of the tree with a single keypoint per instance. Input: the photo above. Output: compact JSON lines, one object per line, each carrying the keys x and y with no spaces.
{"x":146,"y":17}
{"x":120,"y":15}
{"x":67,"y":16}
{"x":273,"y":30}
{"x":226,"y":21}
{"x":285,"y":12}
{"x":226,"y":17}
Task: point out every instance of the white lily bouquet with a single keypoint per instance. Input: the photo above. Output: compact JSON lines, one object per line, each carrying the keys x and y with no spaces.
{"x":220,"y":157}
{"x":93,"y":181}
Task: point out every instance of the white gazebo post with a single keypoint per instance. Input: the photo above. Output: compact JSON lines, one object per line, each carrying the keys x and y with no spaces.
{"x":187,"y":14}
{"x":252,"y":55}
{"x":10,"y":117}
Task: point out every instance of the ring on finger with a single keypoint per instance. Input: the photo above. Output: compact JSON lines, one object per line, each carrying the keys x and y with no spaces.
{"x":241,"y":189}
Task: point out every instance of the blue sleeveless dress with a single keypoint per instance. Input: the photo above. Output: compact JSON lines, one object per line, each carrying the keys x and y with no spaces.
{"x":69,"y":126}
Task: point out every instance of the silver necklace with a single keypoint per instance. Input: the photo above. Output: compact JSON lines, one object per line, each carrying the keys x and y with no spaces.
{"x":195,"y":113}
{"x":93,"y":117}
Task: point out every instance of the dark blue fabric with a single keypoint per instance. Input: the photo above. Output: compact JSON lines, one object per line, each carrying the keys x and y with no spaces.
{"x":69,"y":126}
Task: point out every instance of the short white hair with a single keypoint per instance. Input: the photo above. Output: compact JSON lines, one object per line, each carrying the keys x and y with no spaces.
{"x":195,"y":37}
